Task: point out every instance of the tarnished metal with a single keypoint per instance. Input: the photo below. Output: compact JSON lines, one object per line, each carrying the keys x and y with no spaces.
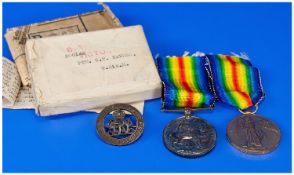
{"x":253,"y":134}
{"x":120,"y":130}
{"x":189,"y":136}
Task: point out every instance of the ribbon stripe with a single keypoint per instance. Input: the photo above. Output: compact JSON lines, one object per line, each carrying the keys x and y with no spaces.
{"x":236,"y":81}
{"x":186,"y":82}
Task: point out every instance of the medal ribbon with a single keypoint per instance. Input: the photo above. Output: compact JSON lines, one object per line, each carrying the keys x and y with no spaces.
{"x":186,"y":83}
{"x":236,"y":81}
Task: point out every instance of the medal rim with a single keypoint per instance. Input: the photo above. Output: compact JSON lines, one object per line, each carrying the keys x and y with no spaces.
{"x":251,"y":151}
{"x":124,"y":141}
{"x":198,"y":154}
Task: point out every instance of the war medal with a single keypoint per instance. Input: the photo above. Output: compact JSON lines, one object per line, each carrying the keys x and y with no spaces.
{"x":186,"y":88}
{"x":121,"y":128}
{"x":238,"y":84}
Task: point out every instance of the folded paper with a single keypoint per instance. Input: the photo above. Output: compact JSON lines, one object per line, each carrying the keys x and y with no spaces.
{"x":17,"y":37}
{"x":90,"y":70}
{"x":16,"y":96}
{"x":16,"y":85}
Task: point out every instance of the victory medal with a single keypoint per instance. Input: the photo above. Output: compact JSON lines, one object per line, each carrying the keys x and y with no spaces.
{"x":238,"y":83}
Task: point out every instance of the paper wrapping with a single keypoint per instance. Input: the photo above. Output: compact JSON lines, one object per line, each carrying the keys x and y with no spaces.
{"x":16,"y":96}
{"x":17,"y":37}
{"x":16,"y":84}
{"x":90,"y":70}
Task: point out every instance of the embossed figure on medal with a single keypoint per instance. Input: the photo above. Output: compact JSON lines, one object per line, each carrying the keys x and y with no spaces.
{"x":189,"y":136}
{"x":187,"y":87}
{"x":238,"y":84}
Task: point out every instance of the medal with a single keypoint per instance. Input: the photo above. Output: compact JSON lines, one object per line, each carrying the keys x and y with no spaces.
{"x":238,"y":83}
{"x":186,"y":88}
{"x":120,"y":129}
{"x":253,"y":134}
{"x":189,"y":136}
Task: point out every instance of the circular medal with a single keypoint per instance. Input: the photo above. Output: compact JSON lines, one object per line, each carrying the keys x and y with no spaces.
{"x":116,"y":127}
{"x":253,"y":134}
{"x":189,"y":136}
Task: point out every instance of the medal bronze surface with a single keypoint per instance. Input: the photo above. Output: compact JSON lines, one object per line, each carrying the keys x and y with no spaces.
{"x":253,"y":134}
{"x":189,"y":136}
{"x":120,"y":129}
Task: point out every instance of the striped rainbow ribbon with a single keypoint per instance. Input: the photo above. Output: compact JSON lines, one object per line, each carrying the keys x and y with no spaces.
{"x":236,"y":81}
{"x":186,"y":83}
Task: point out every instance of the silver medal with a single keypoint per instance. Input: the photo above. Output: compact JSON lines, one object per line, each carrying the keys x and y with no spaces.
{"x":189,"y":136}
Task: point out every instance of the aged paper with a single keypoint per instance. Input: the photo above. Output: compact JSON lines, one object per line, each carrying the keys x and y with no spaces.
{"x":17,"y":37}
{"x":10,"y":82}
{"x":15,"y":96}
{"x":91,"y":70}
{"x":24,"y":99}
